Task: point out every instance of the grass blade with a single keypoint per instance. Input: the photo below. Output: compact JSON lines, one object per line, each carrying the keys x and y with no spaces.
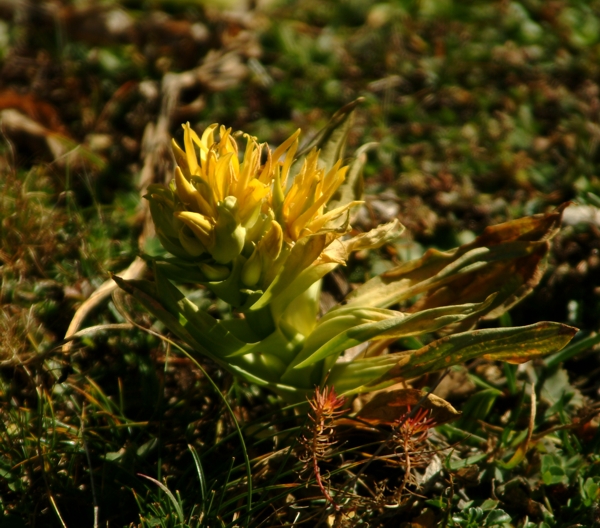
{"x":174,"y":501}
{"x":200,"y":471}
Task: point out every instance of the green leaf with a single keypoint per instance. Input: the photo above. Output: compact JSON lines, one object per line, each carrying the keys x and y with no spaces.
{"x":145,"y":293}
{"x":201,"y":476}
{"x":332,"y":257}
{"x":176,"y":503}
{"x":201,"y":325}
{"x":228,"y":289}
{"x":489,"y":504}
{"x":325,"y":331}
{"x":590,"y":491}
{"x":179,"y":270}
{"x":514,"y":345}
{"x":208,"y":330}
{"x":205,"y":336}
{"x":241,"y":329}
{"x":572,"y":350}
{"x":505,"y":344}
{"x":476,"y":408}
{"x":394,"y":325}
{"x":553,"y":471}
{"x":497,"y":517}
{"x":290,"y":393}
{"x":277,"y":344}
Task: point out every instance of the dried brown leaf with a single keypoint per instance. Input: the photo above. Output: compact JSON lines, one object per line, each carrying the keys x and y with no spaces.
{"x":387,"y":407}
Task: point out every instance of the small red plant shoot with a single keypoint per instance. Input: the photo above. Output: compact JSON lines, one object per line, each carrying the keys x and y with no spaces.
{"x":326,"y":406}
{"x":410,"y":439}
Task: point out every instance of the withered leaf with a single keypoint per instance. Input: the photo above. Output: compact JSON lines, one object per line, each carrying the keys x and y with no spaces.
{"x":387,"y":407}
{"x":508,"y":258}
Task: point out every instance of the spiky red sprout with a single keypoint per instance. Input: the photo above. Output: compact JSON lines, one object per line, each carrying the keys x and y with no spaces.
{"x":326,"y":405}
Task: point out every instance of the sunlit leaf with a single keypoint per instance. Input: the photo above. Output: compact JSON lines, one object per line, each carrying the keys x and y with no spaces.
{"x":393,"y":324}
{"x":333,"y":255}
{"x":505,"y":344}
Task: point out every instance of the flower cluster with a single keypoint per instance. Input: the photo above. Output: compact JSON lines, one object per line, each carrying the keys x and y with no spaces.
{"x":221,"y":210}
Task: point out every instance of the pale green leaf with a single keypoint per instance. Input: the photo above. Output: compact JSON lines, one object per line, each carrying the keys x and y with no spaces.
{"x":333,"y":255}
{"x":396,"y":326}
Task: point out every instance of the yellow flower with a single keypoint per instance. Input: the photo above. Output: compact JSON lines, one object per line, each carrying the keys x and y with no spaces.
{"x":221,"y":197}
{"x":304,"y":203}
{"x":224,"y":206}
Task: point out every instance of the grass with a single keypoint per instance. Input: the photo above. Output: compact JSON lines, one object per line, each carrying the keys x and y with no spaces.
{"x":483,"y":111}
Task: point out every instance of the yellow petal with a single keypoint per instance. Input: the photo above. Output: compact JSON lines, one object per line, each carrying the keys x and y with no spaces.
{"x":223,"y":176}
{"x":285,"y":145}
{"x":287,"y":164}
{"x":271,"y":243}
{"x":207,"y":141}
{"x":250,"y":165}
{"x":197,"y":141}
{"x":266,"y":175}
{"x":251,"y":201}
{"x":321,"y":221}
{"x":185,"y":190}
{"x":180,"y":158}
{"x":316,"y":208}
{"x":190,"y":151}
{"x":200,"y":225}
{"x":209,"y":175}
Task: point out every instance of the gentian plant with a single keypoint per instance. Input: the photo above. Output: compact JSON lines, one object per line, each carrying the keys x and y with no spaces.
{"x":261,"y":228}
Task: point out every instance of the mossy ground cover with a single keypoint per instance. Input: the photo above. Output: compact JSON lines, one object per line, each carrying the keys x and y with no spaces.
{"x":482,"y":112}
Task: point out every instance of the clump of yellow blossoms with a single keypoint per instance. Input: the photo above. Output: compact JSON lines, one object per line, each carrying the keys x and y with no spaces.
{"x":222,"y":207}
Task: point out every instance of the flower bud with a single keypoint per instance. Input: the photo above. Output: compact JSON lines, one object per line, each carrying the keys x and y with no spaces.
{"x":260,"y":227}
{"x":190,"y":243}
{"x":214,"y":273}
{"x":252,"y":270}
{"x":229,"y":235}
{"x":200,"y":226}
{"x":167,"y":227}
{"x":272,"y":241}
